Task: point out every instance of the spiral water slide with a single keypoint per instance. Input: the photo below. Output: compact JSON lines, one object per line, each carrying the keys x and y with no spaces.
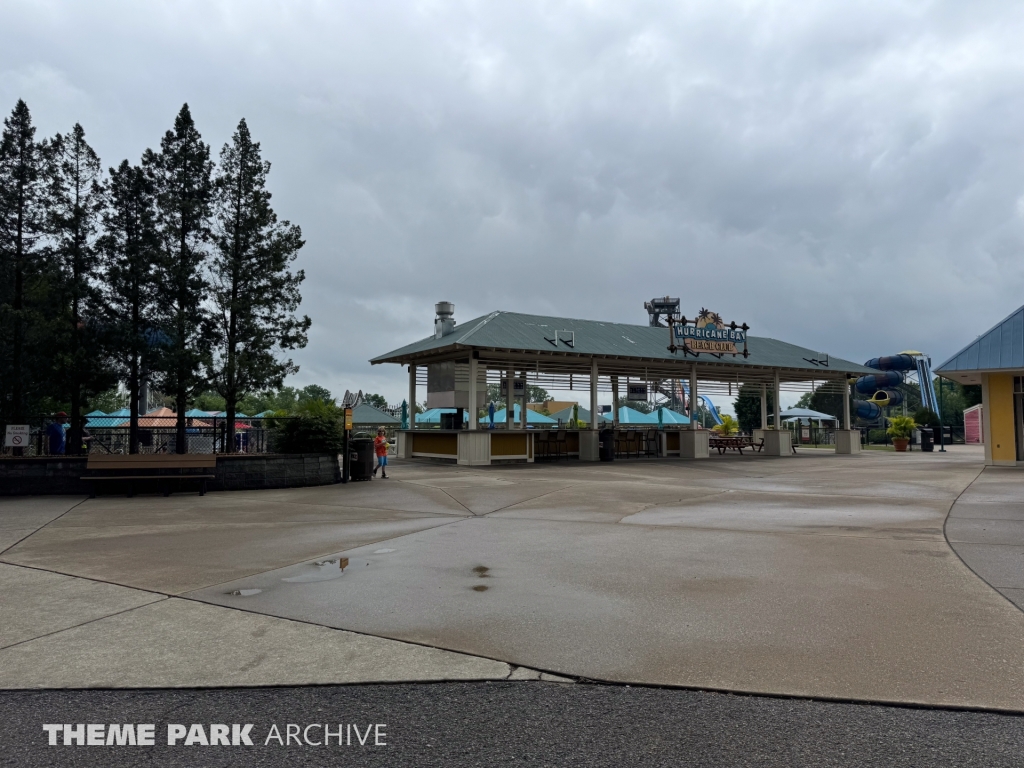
{"x":891,"y":373}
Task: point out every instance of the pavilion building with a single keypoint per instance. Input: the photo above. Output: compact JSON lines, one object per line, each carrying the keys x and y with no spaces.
{"x":516,"y":350}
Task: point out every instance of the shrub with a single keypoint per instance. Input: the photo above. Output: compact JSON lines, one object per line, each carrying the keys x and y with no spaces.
{"x":316,"y":428}
{"x":926,"y":418}
{"x":900,"y":427}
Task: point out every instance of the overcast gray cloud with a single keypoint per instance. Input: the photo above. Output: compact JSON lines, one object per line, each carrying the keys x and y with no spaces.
{"x":843,"y":176}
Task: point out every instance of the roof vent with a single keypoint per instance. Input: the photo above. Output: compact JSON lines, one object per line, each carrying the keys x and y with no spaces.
{"x":444,"y":323}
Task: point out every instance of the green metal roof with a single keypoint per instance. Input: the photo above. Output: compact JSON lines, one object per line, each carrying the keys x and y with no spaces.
{"x":515,"y":332}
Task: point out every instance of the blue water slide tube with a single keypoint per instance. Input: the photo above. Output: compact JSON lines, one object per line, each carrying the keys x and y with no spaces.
{"x":710,"y":406}
{"x":866,"y":410}
{"x":873,"y":382}
{"x":892,"y":363}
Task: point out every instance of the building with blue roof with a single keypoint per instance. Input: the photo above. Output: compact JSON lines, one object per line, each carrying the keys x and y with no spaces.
{"x":995,"y":360}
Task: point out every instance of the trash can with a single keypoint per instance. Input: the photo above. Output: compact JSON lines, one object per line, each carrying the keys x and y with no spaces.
{"x":926,"y":441}
{"x":360,"y":453}
{"x":606,"y":445}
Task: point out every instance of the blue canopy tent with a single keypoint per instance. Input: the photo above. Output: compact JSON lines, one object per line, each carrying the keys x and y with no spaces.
{"x":532,"y":417}
{"x":565,"y":415}
{"x":668,"y":416}
{"x":101,"y":420}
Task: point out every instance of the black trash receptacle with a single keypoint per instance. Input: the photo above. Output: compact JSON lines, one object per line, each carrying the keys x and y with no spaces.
{"x":926,"y":441}
{"x":606,"y":444}
{"x":360,"y":458}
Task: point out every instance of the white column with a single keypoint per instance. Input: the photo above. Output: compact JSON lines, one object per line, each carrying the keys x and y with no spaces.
{"x":526,"y":398}
{"x":778,"y":406}
{"x":474,"y":406}
{"x":846,"y":403}
{"x":412,"y":397}
{"x":593,"y":394}
{"x":510,"y":399}
{"x":693,"y":397}
{"x":615,"y":401}
{"x":764,"y":406}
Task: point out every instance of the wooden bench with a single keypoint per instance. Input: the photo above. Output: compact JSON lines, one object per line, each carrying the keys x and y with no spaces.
{"x":161,"y":469}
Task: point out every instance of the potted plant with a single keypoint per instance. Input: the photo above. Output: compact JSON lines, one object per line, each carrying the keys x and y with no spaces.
{"x":900,"y":428}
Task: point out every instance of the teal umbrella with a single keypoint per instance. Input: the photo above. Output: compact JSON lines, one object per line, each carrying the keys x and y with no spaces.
{"x":405,"y":415}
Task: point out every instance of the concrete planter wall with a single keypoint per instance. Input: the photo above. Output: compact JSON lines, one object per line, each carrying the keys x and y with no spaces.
{"x":42,"y":475}
{"x":47,"y":475}
{"x":252,"y":472}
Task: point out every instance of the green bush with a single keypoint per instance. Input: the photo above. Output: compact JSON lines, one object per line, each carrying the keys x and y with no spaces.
{"x":926,"y":418}
{"x":901,"y":427}
{"x":317,"y":427}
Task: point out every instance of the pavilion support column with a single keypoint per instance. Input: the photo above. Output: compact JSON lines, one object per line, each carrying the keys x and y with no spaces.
{"x":693,"y":397}
{"x":474,"y":385}
{"x":764,"y":406}
{"x":405,"y":438}
{"x":522,"y":408}
{"x":615,"y":401}
{"x":777,"y":441}
{"x":847,"y":440}
{"x":693,"y":442}
{"x":589,"y":445}
{"x":510,"y":399}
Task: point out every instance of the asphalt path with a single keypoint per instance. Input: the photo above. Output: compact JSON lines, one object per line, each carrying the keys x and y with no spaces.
{"x":510,"y":724}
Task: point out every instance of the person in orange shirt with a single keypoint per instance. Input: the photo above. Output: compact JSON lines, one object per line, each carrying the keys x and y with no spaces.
{"x":380,"y":447}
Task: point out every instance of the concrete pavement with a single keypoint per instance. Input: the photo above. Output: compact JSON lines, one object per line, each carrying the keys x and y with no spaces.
{"x":814,"y":575}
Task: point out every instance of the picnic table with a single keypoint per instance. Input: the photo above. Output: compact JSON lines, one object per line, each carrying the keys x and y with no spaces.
{"x":734,"y":442}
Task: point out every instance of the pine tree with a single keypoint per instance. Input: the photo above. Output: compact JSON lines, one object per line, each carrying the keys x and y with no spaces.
{"x":748,"y":406}
{"x":23,"y":286}
{"x":75,"y":199}
{"x":254,"y":291}
{"x":130,"y":248}
{"x":182,"y":173}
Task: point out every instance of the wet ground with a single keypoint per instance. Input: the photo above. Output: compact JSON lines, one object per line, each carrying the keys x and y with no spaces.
{"x":814,"y":575}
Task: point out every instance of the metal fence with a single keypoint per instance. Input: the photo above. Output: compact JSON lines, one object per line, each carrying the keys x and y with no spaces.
{"x":159,"y":434}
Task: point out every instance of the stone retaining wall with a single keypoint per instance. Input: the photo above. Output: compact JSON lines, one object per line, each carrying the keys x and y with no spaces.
{"x":47,"y":475}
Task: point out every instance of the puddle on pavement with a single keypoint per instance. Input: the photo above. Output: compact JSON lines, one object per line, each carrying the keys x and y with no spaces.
{"x":482,"y":572}
{"x":480,"y":588}
{"x":310,"y":577}
{"x":383,"y":551}
{"x":323,"y":563}
{"x":245,"y":592}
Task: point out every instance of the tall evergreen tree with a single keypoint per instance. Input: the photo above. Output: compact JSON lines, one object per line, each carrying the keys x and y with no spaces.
{"x":748,"y":406}
{"x":22,"y":283}
{"x":130,"y":248}
{"x":254,"y":292}
{"x":182,"y":173}
{"x":75,"y":204}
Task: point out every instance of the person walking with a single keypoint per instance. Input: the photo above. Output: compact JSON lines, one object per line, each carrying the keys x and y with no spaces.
{"x":56,"y":434}
{"x":380,"y":447}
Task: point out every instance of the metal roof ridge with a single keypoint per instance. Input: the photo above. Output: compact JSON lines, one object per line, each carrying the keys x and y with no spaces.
{"x":977,"y":339}
{"x":479,"y":325}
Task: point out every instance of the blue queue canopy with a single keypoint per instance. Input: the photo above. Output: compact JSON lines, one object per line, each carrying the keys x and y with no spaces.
{"x":532,"y":417}
{"x":195,"y":413}
{"x":668,"y":416}
{"x":433,"y":415}
{"x":101,"y":420}
{"x":565,"y":415}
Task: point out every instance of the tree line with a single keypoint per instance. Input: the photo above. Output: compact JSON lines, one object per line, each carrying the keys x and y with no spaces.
{"x":174,"y":270}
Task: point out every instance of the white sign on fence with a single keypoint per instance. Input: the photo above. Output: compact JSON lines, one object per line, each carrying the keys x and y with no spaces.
{"x":16,"y":436}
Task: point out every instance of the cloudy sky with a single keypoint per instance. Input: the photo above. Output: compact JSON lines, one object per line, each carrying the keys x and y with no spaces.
{"x":845,"y":176}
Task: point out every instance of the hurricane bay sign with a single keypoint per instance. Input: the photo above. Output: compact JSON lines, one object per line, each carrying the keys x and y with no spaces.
{"x":708,"y":333}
